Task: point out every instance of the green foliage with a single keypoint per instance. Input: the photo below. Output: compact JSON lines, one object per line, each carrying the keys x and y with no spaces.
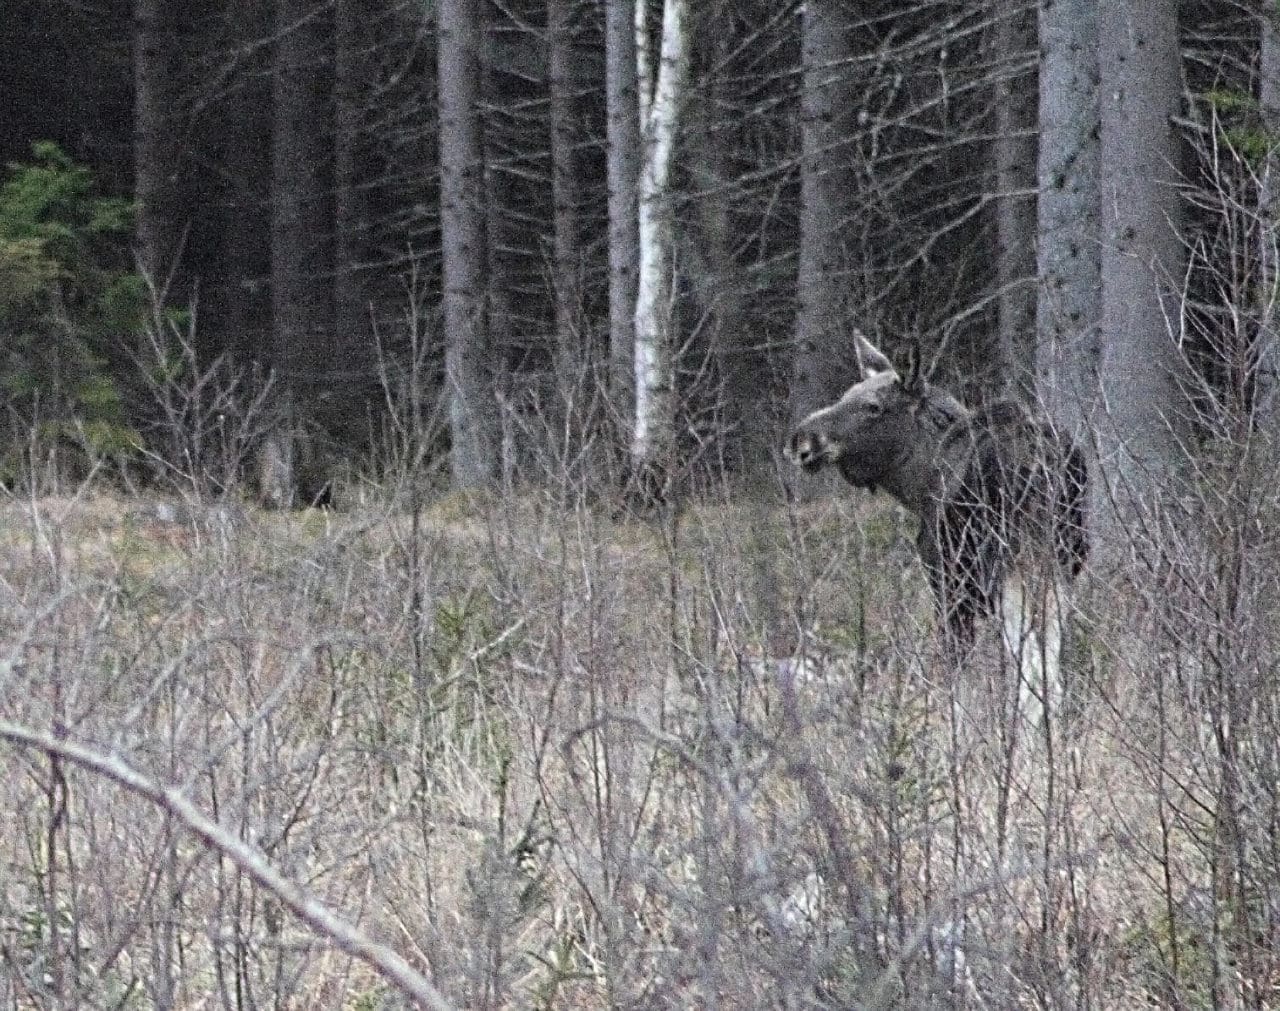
{"x":1189,"y":974}
{"x":28,"y":955}
{"x":1239,"y":117}
{"x":371,"y":1000}
{"x":1226,"y":100}
{"x":467,"y":647}
{"x":69,"y":308}
{"x":1251,"y":145}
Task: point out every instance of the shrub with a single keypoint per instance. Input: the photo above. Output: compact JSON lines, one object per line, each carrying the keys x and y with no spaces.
{"x":68,"y":309}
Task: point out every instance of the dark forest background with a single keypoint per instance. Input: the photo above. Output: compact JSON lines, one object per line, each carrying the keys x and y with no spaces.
{"x":285,"y":218}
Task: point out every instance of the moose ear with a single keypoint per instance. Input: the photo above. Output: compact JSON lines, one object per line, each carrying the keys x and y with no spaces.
{"x":913,"y":381}
{"x":871,"y":358}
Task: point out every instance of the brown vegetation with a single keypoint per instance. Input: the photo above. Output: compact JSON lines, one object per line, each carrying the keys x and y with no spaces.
{"x":569,"y":761}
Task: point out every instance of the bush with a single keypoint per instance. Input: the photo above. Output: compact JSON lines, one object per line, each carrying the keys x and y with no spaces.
{"x":68,"y":309}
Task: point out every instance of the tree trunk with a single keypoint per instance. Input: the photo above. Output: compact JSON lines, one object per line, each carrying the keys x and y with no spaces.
{"x":354,"y":344}
{"x":301,"y":218}
{"x":1266,"y":393}
{"x":623,"y":169}
{"x":826,"y":200}
{"x":242,"y":297}
{"x":1143,"y":386}
{"x":501,"y":201}
{"x":1069,"y":253}
{"x":462,"y":191}
{"x":1015,"y":179}
{"x":155,"y":143}
{"x":745,"y":433}
{"x":562,"y":63}
{"x":653,"y":437}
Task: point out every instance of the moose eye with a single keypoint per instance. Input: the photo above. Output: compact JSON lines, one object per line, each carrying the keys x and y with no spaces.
{"x":873,"y":408}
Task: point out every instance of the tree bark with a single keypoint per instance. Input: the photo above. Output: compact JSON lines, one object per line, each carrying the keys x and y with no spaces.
{"x":747,"y":435}
{"x":827,"y":188}
{"x":462,"y":191}
{"x":244,"y":306}
{"x":1266,"y":392}
{"x":562,"y":63}
{"x":1069,"y":254}
{"x":156,"y":150}
{"x":653,"y":437}
{"x":623,"y":170}
{"x":354,"y":345}
{"x":499,"y":138}
{"x":1144,"y":396}
{"x":301,"y":219}
{"x":717,"y":277}
{"x":1015,"y":179}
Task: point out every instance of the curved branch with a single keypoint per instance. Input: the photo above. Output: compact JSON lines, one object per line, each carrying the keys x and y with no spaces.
{"x":251,"y":860}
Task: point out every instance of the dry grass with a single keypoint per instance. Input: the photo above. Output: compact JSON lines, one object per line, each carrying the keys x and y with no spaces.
{"x":573,"y":774}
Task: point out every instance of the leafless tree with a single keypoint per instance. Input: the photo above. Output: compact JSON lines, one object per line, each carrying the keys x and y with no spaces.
{"x":623,"y":170}
{"x":353,"y":343}
{"x":827,"y":191}
{"x":468,"y":364}
{"x":301,"y":223}
{"x":661,"y":78}
{"x":565,"y":85}
{"x":1268,"y":360}
{"x":158,"y":125}
{"x":1014,"y":152}
{"x":1147,"y":413}
{"x":1068,"y":207}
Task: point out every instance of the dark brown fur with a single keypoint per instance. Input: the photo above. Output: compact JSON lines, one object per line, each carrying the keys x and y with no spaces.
{"x":993,"y":489}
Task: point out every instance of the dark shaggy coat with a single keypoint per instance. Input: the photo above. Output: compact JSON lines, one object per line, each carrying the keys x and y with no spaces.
{"x":994,"y":489}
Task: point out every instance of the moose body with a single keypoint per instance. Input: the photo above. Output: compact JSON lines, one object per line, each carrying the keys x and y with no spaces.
{"x":999,"y":493}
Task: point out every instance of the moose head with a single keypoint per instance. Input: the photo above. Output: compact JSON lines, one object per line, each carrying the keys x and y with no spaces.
{"x":874,"y":434}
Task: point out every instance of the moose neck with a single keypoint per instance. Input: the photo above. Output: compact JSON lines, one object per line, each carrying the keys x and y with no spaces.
{"x":914,"y":479}
{"x":917,"y":476}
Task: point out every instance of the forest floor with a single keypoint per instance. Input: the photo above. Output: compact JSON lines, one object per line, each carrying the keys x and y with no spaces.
{"x":560,"y":759}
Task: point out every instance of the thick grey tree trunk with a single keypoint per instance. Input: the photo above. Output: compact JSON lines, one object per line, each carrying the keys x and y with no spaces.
{"x":1069,"y":253}
{"x":155,"y":141}
{"x":623,"y":169}
{"x":462,"y":188}
{"x":653,"y":436}
{"x":827,"y":190}
{"x":1015,"y":181}
{"x":1144,"y":397}
{"x":1266,"y":408}
{"x":301,"y":209}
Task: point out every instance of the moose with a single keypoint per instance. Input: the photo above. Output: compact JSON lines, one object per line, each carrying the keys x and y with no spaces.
{"x":999,"y":493}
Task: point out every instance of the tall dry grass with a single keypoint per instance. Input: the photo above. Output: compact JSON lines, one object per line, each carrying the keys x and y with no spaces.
{"x":557,"y":758}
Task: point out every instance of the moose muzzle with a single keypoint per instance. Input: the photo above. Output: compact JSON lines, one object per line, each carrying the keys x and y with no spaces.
{"x":809,"y":449}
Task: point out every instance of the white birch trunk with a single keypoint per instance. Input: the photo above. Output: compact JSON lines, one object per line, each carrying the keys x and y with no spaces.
{"x":653,"y":435}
